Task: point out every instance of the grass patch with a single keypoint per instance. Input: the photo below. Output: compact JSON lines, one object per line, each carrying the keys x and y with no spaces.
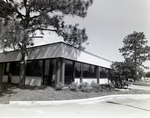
{"x":46,"y":93}
{"x":142,"y":83}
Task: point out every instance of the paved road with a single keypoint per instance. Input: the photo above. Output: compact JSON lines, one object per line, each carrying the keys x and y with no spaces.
{"x":122,"y":106}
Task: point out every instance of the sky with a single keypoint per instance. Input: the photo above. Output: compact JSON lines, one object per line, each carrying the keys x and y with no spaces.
{"x":107,"y":23}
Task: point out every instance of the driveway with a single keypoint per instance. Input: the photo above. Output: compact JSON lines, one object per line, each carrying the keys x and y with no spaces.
{"x":114,"y":106}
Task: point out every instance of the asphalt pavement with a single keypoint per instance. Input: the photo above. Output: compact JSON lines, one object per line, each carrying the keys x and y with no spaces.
{"x":113,"y":106}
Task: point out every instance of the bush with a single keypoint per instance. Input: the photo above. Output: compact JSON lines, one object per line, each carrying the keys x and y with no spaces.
{"x":96,"y":86}
{"x":73,"y":86}
{"x":107,"y":86}
{"x":85,"y":87}
{"x":59,"y":86}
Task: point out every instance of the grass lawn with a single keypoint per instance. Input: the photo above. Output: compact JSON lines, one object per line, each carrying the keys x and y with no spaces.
{"x":13,"y":93}
{"x":142,"y":83}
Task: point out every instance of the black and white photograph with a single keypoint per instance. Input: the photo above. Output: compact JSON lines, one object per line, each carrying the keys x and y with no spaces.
{"x":74,"y":58}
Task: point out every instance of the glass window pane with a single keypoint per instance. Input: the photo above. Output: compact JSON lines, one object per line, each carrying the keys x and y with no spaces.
{"x":68,"y":72}
{"x":34,"y":68}
{"x":77,"y":69}
{"x":68,"y":68}
{"x":93,"y":71}
{"x":103,"y":73}
{"x":15,"y":68}
{"x":86,"y":70}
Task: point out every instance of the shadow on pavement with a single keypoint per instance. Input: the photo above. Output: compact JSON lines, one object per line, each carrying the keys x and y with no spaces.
{"x":111,"y":102}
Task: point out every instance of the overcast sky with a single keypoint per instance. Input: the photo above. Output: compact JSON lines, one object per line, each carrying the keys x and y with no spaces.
{"x":107,"y":23}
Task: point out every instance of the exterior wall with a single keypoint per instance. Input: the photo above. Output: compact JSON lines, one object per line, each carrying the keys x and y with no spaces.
{"x":72,"y":53}
{"x":15,"y":79}
{"x":60,"y":51}
{"x":57,"y":50}
{"x":40,"y":52}
{"x":90,"y":80}
{"x":32,"y":81}
{"x":103,"y":81}
{"x":10,"y":56}
{"x":5,"y":78}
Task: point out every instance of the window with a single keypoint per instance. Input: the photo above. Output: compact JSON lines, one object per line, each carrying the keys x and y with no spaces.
{"x":7,"y":66}
{"x":93,"y":71}
{"x":68,"y":68}
{"x":34,"y":68}
{"x":77,"y":69}
{"x":15,"y":68}
{"x":12,"y":68}
{"x":68,"y":72}
{"x":103,"y":73}
{"x":89,"y":71}
{"x":86,"y":70}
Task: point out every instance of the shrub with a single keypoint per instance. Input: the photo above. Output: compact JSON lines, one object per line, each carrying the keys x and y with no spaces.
{"x":59,"y":86}
{"x":73,"y":86}
{"x":96,"y":86}
{"x":107,"y":86}
{"x":85,"y":87}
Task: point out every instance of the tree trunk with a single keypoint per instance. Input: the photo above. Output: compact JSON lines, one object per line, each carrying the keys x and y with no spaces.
{"x":22,"y":70}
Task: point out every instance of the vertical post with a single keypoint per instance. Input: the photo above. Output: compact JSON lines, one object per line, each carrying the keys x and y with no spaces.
{"x":1,"y":71}
{"x":62,"y":70}
{"x":81,"y":70}
{"x":98,"y":73}
{"x":57,"y":72}
{"x":43,"y":71}
{"x":73,"y":76}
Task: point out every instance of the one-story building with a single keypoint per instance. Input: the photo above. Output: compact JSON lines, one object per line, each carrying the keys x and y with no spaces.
{"x":54,"y":63}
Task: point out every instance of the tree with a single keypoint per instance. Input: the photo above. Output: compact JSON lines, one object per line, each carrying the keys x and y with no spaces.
{"x":120,"y":73}
{"x":30,"y":16}
{"x":136,"y":50}
{"x":5,"y":9}
{"x":147,"y":74}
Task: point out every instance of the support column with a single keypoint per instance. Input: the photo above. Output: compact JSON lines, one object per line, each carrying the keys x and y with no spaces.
{"x":57,"y":72}
{"x":73,"y":76}
{"x":43,"y":72}
{"x":1,"y":72}
{"x":98,"y":73}
{"x":62,"y":70}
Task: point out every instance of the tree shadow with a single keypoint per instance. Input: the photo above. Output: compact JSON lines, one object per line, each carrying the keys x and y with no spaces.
{"x":7,"y":89}
{"x":27,"y":87}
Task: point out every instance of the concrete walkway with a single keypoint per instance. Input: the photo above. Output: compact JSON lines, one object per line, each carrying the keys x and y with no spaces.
{"x":114,"y":106}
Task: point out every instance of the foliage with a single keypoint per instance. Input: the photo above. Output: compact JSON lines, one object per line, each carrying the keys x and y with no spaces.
{"x":120,"y":73}
{"x":96,"y":86}
{"x":85,"y":87}
{"x":29,"y":16}
{"x":59,"y":86}
{"x":107,"y":86}
{"x":147,"y":74}
{"x":135,"y":50}
{"x":6,"y":9}
{"x":73,"y":86}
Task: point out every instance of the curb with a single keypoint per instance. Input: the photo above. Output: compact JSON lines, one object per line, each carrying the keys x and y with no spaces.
{"x":79,"y":101}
